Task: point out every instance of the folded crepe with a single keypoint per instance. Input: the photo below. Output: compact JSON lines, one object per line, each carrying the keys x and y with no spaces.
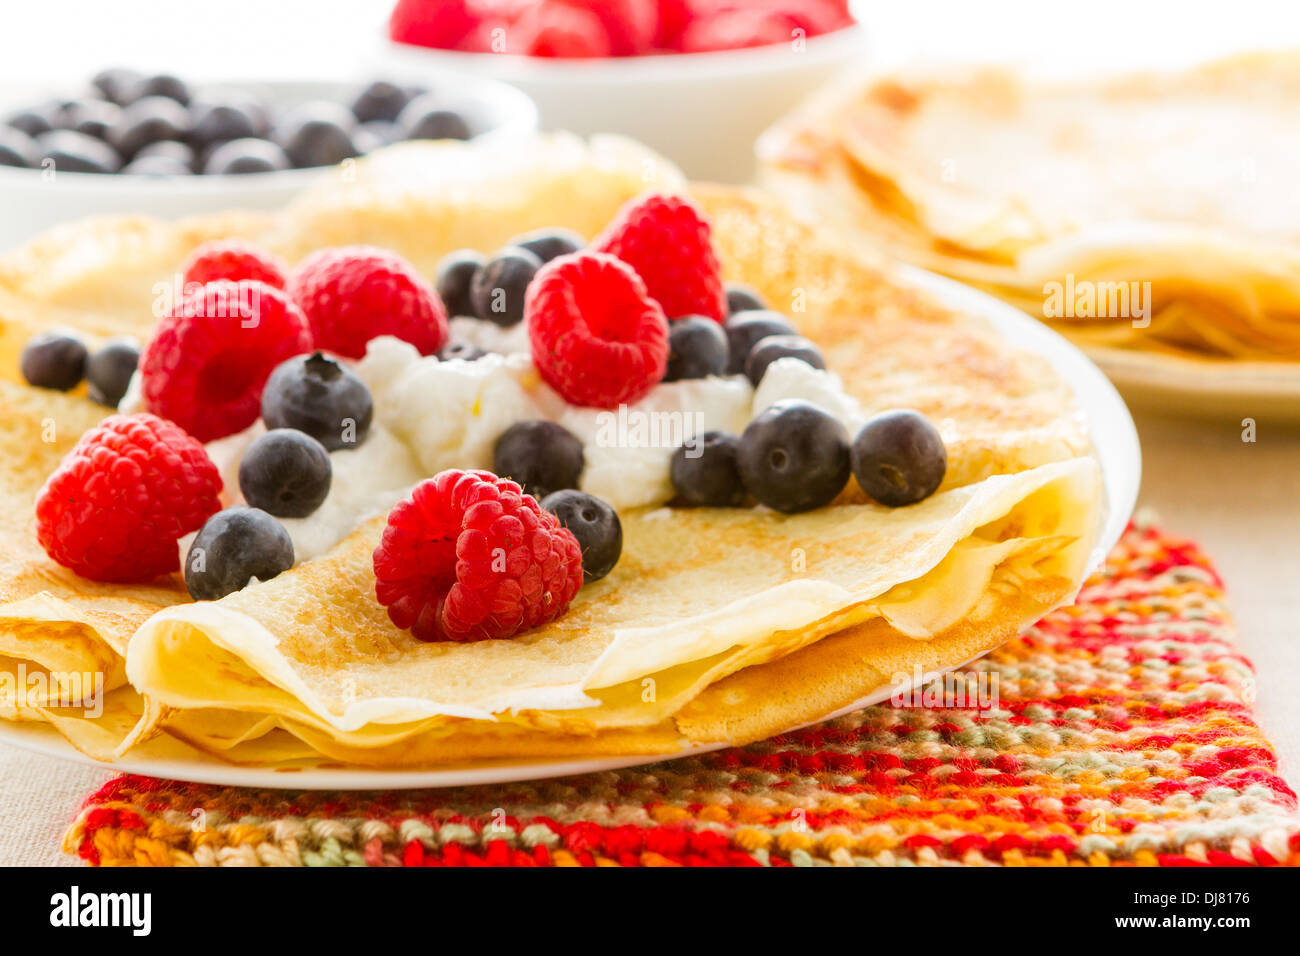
{"x":1153,"y":213}
{"x":717,"y":625}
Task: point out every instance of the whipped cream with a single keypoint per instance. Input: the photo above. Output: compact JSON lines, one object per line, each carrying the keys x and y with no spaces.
{"x":790,"y":378}
{"x":489,"y":336}
{"x":431,"y":415}
{"x":366,"y":482}
{"x":450,"y":414}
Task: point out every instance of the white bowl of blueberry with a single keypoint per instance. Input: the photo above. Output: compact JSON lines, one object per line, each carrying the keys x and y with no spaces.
{"x":157,"y":145}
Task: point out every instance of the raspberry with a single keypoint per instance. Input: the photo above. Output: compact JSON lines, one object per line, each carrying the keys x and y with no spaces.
{"x":737,"y":29}
{"x":597,"y":337}
{"x":630,"y":24}
{"x":442,"y":24}
{"x":556,"y":29}
{"x":674,"y":15}
{"x":352,"y":294}
{"x":211,"y":354}
{"x":120,"y":500}
{"x":470,"y":557}
{"x":667,"y":241}
{"x":234,"y":259}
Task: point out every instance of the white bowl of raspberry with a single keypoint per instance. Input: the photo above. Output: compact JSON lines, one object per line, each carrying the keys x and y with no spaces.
{"x":161,"y":146}
{"x":700,"y":91}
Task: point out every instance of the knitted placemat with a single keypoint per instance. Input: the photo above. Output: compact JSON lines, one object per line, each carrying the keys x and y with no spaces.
{"x":1117,"y":731}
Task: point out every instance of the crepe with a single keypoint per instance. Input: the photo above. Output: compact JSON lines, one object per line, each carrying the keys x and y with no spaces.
{"x":717,"y":625}
{"x":1151,"y":213}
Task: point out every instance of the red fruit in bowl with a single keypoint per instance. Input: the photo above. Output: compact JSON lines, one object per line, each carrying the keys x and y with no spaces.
{"x":630,"y":24}
{"x":737,"y":29}
{"x":559,"y":29}
{"x":441,"y":24}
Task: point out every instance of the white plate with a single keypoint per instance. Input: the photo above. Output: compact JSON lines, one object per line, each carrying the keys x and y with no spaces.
{"x":1114,"y":437}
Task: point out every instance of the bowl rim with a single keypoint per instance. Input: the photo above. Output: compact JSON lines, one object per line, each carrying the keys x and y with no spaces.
{"x":651,"y":67}
{"x":521,"y":118}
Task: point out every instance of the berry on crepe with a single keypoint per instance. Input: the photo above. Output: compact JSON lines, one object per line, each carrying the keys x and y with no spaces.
{"x":470,"y":557}
{"x":597,"y":337}
{"x":353,"y":294}
{"x":211,"y":354}
{"x":234,"y":259}
{"x":669,"y":243}
{"x":120,"y":500}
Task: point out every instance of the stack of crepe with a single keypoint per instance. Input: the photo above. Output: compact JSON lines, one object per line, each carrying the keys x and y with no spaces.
{"x":716,"y":625}
{"x":1151,"y":215}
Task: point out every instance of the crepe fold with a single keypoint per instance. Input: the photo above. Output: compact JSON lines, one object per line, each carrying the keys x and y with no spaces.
{"x":1154,"y":213}
{"x":717,"y":625}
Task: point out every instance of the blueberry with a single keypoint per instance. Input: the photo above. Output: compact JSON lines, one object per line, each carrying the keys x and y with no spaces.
{"x":286,"y":473}
{"x":596,"y":526}
{"x":149,"y":120}
{"x":899,"y":458}
{"x":425,"y":118}
{"x":156,"y":166}
{"x":54,"y":360}
{"x":315,"y":394}
{"x":318,"y":134}
{"x":767,"y":350}
{"x":241,"y":156}
{"x":542,"y":456}
{"x":233,"y":547}
{"x":454,"y":277}
{"x":697,"y":348}
{"x":743,"y":298}
{"x":163,"y":85}
{"x":497,"y":292}
{"x":794,"y":457}
{"x":73,"y":152}
{"x":744,"y":329}
{"x":93,"y":117}
{"x":115,"y":84}
{"x":221,"y":122}
{"x":17,"y":148}
{"x":548,"y":244}
{"x":380,"y":100}
{"x":35,"y":120}
{"x":109,"y":371}
{"x":705,"y":473}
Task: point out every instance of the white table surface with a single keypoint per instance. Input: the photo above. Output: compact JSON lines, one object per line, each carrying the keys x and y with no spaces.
{"x":1240,"y":501}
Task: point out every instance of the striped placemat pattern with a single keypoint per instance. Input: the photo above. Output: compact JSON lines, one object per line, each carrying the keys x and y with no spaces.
{"x":1119,"y":731}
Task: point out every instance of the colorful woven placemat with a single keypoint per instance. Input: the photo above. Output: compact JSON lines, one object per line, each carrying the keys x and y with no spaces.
{"x":1117,"y":731}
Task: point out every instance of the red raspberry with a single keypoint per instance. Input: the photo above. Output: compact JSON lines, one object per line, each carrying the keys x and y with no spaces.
{"x":667,"y":241}
{"x":211,"y":354}
{"x":674,"y":15}
{"x":596,"y":335}
{"x":352,"y":294}
{"x":556,"y":29}
{"x":234,"y":259}
{"x":470,"y":557}
{"x":629,"y":24}
{"x":442,"y":24}
{"x":737,"y":29}
{"x":120,"y":500}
